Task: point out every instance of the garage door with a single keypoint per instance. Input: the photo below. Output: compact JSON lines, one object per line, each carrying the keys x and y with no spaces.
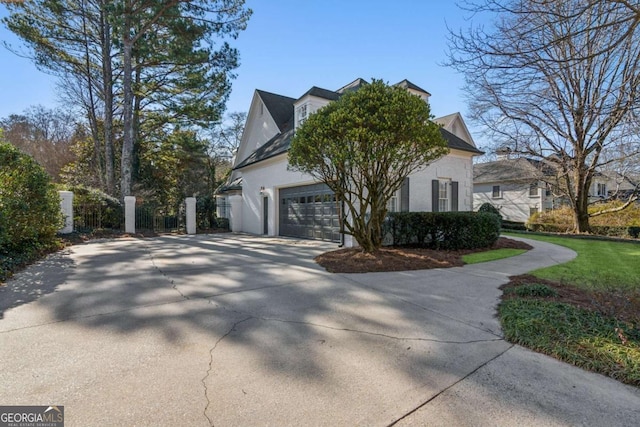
{"x":309,"y":212}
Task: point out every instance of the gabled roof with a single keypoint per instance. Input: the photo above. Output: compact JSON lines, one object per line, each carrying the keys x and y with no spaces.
{"x":354,"y":85}
{"x":446,"y":120}
{"x":321,"y":93}
{"x":280,"y":144}
{"x":406,"y":84}
{"x":277,"y":145}
{"x":519,"y":169}
{"x":280,"y":107}
{"x":456,"y":143}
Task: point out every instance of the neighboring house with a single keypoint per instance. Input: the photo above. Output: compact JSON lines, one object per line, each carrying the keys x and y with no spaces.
{"x":516,"y":187}
{"x":262,"y":196}
{"x":519,"y":187}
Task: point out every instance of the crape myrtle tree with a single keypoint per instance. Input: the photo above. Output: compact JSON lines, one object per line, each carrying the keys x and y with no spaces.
{"x":363,"y":146}
{"x":557,"y":81}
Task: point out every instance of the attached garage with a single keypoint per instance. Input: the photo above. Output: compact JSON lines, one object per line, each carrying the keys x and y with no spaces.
{"x":309,"y":212}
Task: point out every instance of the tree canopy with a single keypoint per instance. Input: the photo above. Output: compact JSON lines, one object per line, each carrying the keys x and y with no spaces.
{"x":363,"y":146}
{"x":134,"y":68}
{"x":557,"y":81}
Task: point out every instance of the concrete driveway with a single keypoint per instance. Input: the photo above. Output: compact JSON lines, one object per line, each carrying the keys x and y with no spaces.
{"x":233,"y":330}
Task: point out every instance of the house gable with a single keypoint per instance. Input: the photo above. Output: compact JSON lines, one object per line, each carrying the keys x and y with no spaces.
{"x":269,"y":115}
{"x":456,"y":125}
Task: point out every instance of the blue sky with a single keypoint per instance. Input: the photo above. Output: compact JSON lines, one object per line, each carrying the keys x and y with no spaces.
{"x":291,"y":45}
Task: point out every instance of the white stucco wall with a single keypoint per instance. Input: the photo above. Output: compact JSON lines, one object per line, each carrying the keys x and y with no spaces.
{"x":456,"y":166}
{"x":260,"y":128}
{"x":272,"y":174}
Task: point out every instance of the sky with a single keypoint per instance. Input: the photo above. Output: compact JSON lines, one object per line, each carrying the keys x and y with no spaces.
{"x":291,"y":45}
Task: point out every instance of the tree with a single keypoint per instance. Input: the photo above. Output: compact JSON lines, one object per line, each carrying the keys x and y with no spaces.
{"x":166,"y":63}
{"x":363,"y":146}
{"x":557,"y":81}
{"x":29,"y":205}
{"x":45,"y":134}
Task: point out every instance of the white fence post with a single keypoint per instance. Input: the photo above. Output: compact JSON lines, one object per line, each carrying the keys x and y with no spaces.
{"x":191,"y":215}
{"x":66,"y":206}
{"x":130,"y":214}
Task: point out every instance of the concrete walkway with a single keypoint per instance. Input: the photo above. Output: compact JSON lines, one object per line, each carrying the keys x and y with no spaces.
{"x":232,"y":330}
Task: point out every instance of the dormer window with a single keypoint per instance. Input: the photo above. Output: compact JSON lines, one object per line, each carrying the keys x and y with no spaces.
{"x":302,"y":114}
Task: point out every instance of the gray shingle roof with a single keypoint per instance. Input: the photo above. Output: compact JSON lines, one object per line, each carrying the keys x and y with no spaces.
{"x":457,"y":143}
{"x":406,"y":84}
{"x":280,"y":107}
{"x":519,"y":169}
{"x":277,"y":145}
{"x":321,"y":93}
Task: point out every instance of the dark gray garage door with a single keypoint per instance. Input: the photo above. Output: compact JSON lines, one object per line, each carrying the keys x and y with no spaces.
{"x":310,"y":212}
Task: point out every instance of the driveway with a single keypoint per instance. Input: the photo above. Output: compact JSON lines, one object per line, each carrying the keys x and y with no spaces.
{"x":233,"y":330}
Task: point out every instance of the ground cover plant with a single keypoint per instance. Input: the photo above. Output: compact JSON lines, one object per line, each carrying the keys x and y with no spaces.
{"x":585,"y":312}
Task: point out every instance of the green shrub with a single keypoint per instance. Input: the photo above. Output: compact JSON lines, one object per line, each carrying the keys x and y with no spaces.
{"x":489,"y":208}
{"x":30,"y":212}
{"x":513,"y":225}
{"x":532,"y":290}
{"x":443,"y":230}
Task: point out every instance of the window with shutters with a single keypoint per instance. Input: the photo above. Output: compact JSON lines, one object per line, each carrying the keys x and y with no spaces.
{"x":443,"y":196}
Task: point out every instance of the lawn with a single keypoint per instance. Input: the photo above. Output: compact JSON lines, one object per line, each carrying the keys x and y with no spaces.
{"x":493,"y":255}
{"x":600,"y":265}
{"x":585,"y":312}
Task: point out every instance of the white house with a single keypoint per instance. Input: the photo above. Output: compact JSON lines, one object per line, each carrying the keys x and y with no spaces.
{"x":264,"y":197}
{"x":519,"y":187}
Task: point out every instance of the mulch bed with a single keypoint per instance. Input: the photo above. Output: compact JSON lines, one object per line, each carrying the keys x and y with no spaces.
{"x":624,"y":306}
{"x":353,"y":260}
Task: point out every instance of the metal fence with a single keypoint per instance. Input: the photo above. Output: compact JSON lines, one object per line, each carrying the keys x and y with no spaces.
{"x":90,"y":217}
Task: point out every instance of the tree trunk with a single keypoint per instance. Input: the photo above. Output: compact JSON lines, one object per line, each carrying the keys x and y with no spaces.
{"x":107,"y":75}
{"x":127,"y":121}
{"x":581,"y":207}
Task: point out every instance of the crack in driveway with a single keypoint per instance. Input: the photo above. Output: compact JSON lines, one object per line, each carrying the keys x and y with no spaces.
{"x":432,"y":398}
{"x":204,"y":379}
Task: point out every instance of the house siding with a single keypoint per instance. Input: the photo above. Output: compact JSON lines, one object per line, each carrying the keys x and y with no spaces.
{"x":514,"y":202}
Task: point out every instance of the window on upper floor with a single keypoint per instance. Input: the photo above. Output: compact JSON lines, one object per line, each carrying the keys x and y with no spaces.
{"x":601,"y":190}
{"x":534,"y":190}
{"x":301,"y":114}
{"x":495,"y":193}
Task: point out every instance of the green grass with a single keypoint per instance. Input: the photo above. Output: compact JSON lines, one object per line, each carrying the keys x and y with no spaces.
{"x":600,"y":265}
{"x":604,"y":338}
{"x":581,"y":337}
{"x":491,"y":255}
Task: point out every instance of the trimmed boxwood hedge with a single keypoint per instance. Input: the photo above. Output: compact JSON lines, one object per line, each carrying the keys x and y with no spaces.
{"x":442,"y":230}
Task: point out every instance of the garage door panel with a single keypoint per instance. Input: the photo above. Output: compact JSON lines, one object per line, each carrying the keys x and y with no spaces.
{"x":309,"y":212}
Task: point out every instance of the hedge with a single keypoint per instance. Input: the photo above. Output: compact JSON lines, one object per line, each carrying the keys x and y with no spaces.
{"x":442,"y":230}
{"x":29,"y":209}
{"x":600,"y":230}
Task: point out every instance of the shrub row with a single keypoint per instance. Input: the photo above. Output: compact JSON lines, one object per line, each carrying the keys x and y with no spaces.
{"x":442,"y":230}
{"x":29,"y":210}
{"x":600,"y":230}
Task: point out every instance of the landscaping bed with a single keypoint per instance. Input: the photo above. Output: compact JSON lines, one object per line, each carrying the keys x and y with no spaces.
{"x":353,"y":260}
